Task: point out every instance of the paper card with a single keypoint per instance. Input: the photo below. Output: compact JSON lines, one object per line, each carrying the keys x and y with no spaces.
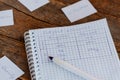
{"x":6,"y":18}
{"x":79,"y":10}
{"x":33,"y":4}
{"x":8,"y":70}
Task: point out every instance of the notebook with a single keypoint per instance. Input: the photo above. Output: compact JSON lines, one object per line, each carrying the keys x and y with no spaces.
{"x":87,"y":46}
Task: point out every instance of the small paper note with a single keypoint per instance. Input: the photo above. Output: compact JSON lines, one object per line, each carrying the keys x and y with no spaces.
{"x":8,"y":70}
{"x":79,"y":10}
{"x":6,"y":18}
{"x":33,"y":4}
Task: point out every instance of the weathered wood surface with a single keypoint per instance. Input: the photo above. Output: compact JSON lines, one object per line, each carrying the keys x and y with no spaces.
{"x":14,"y":50}
{"x":50,"y":15}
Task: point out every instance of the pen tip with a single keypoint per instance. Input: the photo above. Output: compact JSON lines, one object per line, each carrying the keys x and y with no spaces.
{"x":50,"y":57}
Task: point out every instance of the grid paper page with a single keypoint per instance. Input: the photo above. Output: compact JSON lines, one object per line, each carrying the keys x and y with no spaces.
{"x":87,"y":46}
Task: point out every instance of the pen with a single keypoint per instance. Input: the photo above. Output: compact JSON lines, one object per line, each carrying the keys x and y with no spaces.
{"x":72,"y":68}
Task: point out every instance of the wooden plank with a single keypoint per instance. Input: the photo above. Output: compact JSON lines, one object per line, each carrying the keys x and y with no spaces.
{"x":52,"y":11}
{"x":23,"y":23}
{"x":15,"y":51}
{"x":52,"y":14}
{"x":117,"y":44}
{"x":49,"y":13}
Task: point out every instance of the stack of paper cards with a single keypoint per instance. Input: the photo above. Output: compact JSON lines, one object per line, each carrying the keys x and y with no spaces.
{"x":33,"y":4}
{"x":79,"y":10}
{"x":8,"y":70}
{"x":6,"y":18}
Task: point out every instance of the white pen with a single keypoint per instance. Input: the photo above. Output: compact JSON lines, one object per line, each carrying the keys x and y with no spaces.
{"x":72,"y":68}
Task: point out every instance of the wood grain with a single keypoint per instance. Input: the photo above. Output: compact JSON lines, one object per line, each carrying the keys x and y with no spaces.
{"x":23,"y":23}
{"x":50,"y":15}
{"x":15,"y":51}
{"x":52,"y":11}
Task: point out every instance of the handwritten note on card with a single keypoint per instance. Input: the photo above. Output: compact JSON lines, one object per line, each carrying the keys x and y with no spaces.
{"x":6,"y":18}
{"x":33,"y":4}
{"x":8,"y":70}
{"x":79,"y":10}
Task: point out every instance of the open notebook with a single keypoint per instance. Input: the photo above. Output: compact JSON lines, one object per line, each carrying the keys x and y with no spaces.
{"x":87,"y":46}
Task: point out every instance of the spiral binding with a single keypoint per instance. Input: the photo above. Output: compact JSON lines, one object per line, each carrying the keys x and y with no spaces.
{"x":32,"y":56}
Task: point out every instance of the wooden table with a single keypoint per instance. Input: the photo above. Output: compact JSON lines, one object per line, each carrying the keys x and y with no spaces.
{"x":50,"y":15}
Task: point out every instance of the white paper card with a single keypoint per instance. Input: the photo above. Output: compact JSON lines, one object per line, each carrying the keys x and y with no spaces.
{"x":6,"y":18}
{"x":79,"y":10}
{"x":33,"y":4}
{"x":8,"y":70}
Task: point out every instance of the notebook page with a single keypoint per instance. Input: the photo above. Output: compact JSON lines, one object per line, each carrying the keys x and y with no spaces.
{"x":87,"y":46}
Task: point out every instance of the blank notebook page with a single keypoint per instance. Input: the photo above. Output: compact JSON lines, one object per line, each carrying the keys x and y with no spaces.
{"x":87,"y":46}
